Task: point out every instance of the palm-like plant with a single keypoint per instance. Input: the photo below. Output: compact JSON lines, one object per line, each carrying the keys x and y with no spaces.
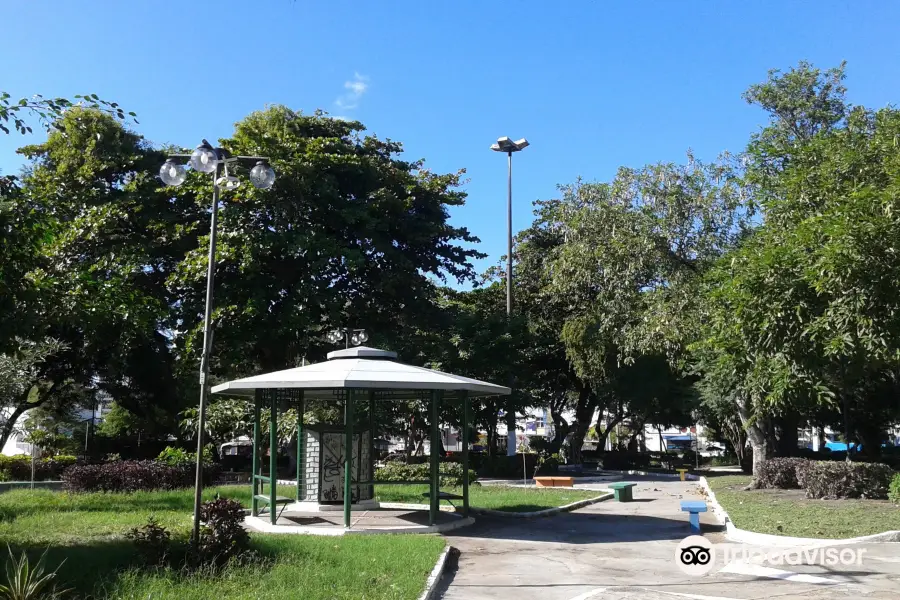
{"x":25,"y":581}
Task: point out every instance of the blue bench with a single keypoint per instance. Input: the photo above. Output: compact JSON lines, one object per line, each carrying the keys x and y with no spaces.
{"x":695,"y":507}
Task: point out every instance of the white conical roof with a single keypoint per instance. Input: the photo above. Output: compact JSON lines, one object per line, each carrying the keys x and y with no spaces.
{"x":360,"y":368}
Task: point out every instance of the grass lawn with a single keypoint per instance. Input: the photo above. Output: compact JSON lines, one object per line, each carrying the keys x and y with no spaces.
{"x":86,"y":530}
{"x":497,"y":497}
{"x":788,"y":512}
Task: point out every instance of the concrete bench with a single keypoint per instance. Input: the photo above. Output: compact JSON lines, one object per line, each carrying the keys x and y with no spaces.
{"x":682,"y":472}
{"x":554,"y":481}
{"x":694,"y":507}
{"x":622,"y":491}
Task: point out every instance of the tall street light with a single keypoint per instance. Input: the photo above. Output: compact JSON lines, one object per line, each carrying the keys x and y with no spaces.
{"x":206,"y":159}
{"x":505,"y":144}
{"x":348,"y":335}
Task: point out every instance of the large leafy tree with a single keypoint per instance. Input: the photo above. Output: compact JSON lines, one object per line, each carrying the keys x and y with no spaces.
{"x":348,"y":236}
{"x":114,"y":263}
{"x":615,"y":273}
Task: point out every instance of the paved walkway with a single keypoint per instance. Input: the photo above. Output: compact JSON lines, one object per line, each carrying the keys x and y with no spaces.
{"x":614,"y":550}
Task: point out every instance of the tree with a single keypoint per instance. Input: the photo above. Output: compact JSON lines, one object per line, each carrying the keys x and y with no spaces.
{"x":48,"y":110}
{"x":617,"y":266}
{"x":22,"y":385}
{"x":804,"y":314}
{"x":349,"y":234}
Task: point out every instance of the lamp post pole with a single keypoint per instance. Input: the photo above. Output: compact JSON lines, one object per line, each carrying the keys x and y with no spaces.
{"x":204,"y":358}
{"x":509,"y":236}
{"x":505,"y":144}
{"x":206,"y":159}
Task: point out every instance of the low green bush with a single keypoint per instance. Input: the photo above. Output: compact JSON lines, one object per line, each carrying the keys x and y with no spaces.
{"x":18,"y":468}
{"x":509,"y":467}
{"x":894,"y":490}
{"x":826,"y":479}
{"x":451,"y":474}
{"x":780,"y":473}
{"x":179,"y":457}
{"x":625,"y":461}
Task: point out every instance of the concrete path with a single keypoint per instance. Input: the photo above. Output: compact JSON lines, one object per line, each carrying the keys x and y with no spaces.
{"x":614,"y":550}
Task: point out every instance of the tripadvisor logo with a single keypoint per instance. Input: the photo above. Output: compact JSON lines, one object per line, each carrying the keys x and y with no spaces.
{"x":695,"y":555}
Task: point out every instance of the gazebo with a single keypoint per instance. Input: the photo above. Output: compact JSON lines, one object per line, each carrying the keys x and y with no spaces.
{"x":352,"y":376}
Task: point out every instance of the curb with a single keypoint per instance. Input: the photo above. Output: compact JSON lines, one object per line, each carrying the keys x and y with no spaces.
{"x":745,"y":536}
{"x":435,"y":577}
{"x":262,"y":526}
{"x":541,"y":513}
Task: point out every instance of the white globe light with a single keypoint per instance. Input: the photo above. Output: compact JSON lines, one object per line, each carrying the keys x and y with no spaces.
{"x":262,"y":176}
{"x":204,"y":159}
{"x":355,"y":339}
{"x":172,"y":173}
{"x":363,"y":337}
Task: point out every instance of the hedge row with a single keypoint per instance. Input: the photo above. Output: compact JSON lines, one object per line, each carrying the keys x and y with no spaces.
{"x":826,"y":479}
{"x":18,"y":468}
{"x":132,"y":476}
{"x":451,"y":474}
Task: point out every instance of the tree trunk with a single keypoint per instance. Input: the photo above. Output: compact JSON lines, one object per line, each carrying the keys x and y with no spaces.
{"x":6,"y":430}
{"x":788,"y":438}
{"x":603,"y":435}
{"x":845,"y":413}
{"x":584,"y":412}
{"x":871,"y":435}
{"x":757,"y":433}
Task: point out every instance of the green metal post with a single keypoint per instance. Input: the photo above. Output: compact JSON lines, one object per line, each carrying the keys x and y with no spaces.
{"x":254,"y":503}
{"x":465,"y":452}
{"x":435,"y":465}
{"x":348,"y":455}
{"x":273,"y":457}
{"x":301,"y":447}
{"x":372,"y":443}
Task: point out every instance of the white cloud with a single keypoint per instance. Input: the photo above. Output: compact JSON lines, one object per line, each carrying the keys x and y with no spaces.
{"x":355,"y":87}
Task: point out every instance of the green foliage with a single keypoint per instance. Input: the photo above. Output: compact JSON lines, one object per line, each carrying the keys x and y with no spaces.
{"x":451,"y":474}
{"x":152,"y":541}
{"x":25,"y":581}
{"x":782,"y":473}
{"x":18,"y":468}
{"x":831,"y":479}
{"x":894,"y":490}
{"x":47,"y":110}
{"x":179,"y":457}
{"x":222,"y":536}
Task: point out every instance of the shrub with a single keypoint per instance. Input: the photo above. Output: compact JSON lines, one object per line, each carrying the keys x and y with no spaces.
{"x":780,"y":473}
{"x":131,"y":476}
{"x":624,"y":461}
{"x":222,"y":536}
{"x":894,"y":489}
{"x":827,"y":479}
{"x":547,"y":464}
{"x":18,"y":468}
{"x":511,"y":467}
{"x":451,"y":474}
{"x":152,"y":541}
{"x":179,"y":457}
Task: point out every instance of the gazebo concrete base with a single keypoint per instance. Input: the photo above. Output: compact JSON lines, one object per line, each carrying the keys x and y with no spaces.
{"x":381,"y":521}
{"x":311,"y":506}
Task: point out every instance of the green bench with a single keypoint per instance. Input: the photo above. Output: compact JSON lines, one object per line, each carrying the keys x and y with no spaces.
{"x":282,"y":500}
{"x":445,"y":496}
{"x":622,"y":491}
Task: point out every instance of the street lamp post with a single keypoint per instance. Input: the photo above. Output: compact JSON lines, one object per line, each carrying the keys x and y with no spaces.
{"x":206,"y":159}
{"x":354,"y":336}
{"x":505,"y":144}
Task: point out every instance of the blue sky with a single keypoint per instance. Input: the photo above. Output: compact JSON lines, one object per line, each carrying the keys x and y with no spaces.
{"x":593,"y":85}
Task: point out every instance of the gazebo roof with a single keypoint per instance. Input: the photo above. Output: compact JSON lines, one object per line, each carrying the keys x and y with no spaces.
{"x":360,"y":368}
